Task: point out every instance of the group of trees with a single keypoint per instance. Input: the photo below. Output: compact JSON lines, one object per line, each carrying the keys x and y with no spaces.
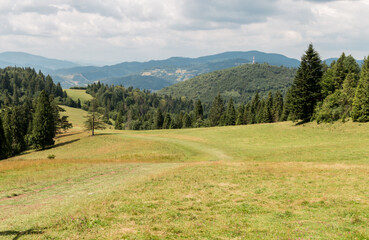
{"x":29,"y":113}
{"x":327,"y":94}
{"x":142,"y":110}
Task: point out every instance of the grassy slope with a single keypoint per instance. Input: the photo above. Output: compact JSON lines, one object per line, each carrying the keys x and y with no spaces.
{"x":260,"y":181}
{"x":77,"y":93}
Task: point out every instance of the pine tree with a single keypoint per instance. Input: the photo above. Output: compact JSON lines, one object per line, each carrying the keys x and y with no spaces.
{"x":119,"y":121}
{"x":216,"y":111}
{"x":44,"y":125}
{"x":231,"y":113}
{"x":94,"y":119}
{"x":3,"y":142}
{"x":360,"y":108}
{"x":240,"y":115}
{"x":306,"y":90}
{"x":254,"y":109}
{"x":199,"y":112}
{"x":186,"y":121}
{"x":167,"y":121}
{"x":268,"y":109}
{"x":159,"y":119}
{"x":277,"y":106}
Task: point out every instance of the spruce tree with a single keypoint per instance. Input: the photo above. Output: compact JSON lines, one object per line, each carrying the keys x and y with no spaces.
{"x":199,"y":112}
{"x":167,"y":121}
{"x":231,"y":113}
{"x":240,"y":115}
{"x":44,"y":125}
{"x":3,"y":142}
{"x":360,"y":108}
{"x":254,"y":109}
{"x":186,"y":121}
{"x":159,"y":119}
{"x":216,"y":111}
{"x":306,"y":89}
{"x":277,"y":106}
{"x":267,"y":115}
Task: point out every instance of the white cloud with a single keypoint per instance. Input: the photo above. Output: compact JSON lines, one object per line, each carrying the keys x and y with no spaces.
{"x":122,"y":30}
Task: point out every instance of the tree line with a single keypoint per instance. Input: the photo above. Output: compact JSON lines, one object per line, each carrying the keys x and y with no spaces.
{"x":327,"y":94}
{"x":29,"y":111}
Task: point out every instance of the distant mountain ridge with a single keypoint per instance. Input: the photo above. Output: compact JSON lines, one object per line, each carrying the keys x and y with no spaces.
{"x":151,"y":75}
{"x":169,"y":71}
{"x":21,"y":59}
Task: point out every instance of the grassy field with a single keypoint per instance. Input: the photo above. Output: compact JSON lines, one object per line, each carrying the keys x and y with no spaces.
{"x":77,"y":93}
{"x":267,"y":181}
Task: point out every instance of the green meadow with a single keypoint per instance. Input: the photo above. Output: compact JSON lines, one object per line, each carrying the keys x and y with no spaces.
{"x":264,"y":181}
{"x":80,"y":94}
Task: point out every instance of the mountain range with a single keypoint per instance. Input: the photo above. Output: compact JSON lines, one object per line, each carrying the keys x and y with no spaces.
{"x":152,"y":75}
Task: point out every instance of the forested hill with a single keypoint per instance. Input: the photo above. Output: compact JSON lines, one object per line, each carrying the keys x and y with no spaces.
{"x":240,"y":83}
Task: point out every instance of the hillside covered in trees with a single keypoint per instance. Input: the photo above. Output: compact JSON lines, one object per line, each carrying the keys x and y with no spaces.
{"x":29,"y":110}
{"x":239,"y":83}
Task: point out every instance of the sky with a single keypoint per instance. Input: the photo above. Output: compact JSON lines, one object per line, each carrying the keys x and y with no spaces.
{"x":112,"y":31}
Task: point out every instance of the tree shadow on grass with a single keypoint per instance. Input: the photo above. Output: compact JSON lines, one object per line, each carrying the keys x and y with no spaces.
{"x":62,"y":144}
{"x":67,"y":134}
{"x":19,"y":234}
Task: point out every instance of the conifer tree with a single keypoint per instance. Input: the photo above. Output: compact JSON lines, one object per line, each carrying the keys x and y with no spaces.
{"x":360,"y":108}
{"x":240,"y":115}
{"x":186,"y":121}
{"x":199,"y":112}
{"x":3,"y":142}
{"x":254,"y":108}
{"x":306,"y":89}
{"x":167,"y":121}
{"x":94,"y":120}
{"x":44,"y":125}
{"x":216,"y":111}
{"x":231,"y":113}
{"x":119,"y":121}
{"x":268,"y":109}
{"x":277,"y":106}
{"x":159,"y":119}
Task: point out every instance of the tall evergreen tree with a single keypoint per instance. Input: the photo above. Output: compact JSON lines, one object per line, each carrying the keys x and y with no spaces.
{"x":277,"y":106}
{"x":231,"y":113}
{"x":216,"y":111}
{"x":240,"y":115}
{"x":3,"y":142}
{"x":44,"y":125}
{"x":306,"y":89}
{"x":199,"y":112}
{"x":360,"y":108}
{"x":268,"y":109}
{"x":167,"y":121}
{"x":186,"y":121}
{"x":159,"y":119}
{"x":254,"y":109}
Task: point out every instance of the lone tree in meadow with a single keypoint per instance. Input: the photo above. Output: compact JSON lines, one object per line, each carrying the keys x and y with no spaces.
{"x":360,"y":108}
{"x":44,"y":125}
{"x":306,"y":89}
{"x":94,"y":119}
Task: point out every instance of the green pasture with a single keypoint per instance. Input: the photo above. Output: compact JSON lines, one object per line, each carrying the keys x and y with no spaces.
{"x":265,"y":181}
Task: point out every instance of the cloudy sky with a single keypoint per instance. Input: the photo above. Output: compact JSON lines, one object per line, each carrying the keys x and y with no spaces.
{"x":112,"y":31}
